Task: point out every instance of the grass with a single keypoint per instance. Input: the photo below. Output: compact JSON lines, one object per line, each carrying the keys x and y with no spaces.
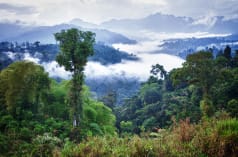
{"x":209,"y":138}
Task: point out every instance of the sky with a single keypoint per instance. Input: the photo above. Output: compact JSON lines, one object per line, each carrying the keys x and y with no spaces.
{"x":50,"y":12}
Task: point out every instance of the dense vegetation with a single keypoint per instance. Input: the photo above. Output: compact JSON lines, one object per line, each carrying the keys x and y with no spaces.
{"x":190,"y":111}
{"x":203,"y":87}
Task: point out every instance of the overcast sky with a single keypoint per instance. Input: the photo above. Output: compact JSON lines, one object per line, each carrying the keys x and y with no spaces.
{"x":49,"y":12}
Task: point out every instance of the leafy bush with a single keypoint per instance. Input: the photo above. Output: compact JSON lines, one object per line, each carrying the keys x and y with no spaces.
{"x":45,"y":145}
{"x":217,"y":138}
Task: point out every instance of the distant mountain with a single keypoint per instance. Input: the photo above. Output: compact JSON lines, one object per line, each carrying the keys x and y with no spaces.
{"x":84,"y":24}
{"x":156,"y":22}
{"x":9,"y":30}
{"x":109,"y":37}
{"x":225,"y":26}
{"x":169,"y":23}
{"x":184,"y":47}
{"x":45,"y":34}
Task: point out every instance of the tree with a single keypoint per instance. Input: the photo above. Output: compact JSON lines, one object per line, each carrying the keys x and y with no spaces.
{"x":158,"y":70}
{"x":110,"y":99}
{"x":227,"y":52}
{"x":22,"y":87}
{"x":199,"y":70}
{"x":75,"y":47}
{"x":57,"y":100}
{"x":232,"y":107}
{"x":235,"y":60}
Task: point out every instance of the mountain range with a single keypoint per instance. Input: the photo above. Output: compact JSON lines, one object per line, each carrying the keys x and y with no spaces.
{"x":109,"y":32}
{"x":45,"y":34}
{"x":169,"y":23}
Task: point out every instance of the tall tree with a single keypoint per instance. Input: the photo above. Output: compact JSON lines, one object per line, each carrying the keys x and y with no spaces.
{"x":75,"y":47}
{"x":227,"y":52}
{"x":199,"y":70}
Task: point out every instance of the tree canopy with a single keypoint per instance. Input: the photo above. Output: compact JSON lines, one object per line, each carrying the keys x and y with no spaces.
{"x":23,"y":86}
{"x":75,"y":47}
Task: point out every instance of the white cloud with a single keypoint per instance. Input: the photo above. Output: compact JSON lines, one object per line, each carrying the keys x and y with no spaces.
{"x":138,"y":69}
{"x":28,"y":57}
{"x":52,"y":12}
{"x":55,"y":70}
{"x":209,"y":20}
{"x":152,"y":2}
{"x":153,"y":41}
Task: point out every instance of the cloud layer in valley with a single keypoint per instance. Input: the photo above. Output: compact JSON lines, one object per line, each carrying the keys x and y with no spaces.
{"x":136,"y":69}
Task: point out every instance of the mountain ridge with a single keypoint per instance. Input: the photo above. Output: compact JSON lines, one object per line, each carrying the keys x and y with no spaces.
{"x":44,"y":34}
{"x":169,"y":23}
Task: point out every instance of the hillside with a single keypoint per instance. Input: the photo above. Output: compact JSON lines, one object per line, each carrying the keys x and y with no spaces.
{"x":44,"y":34}
{"x":184,"y":47}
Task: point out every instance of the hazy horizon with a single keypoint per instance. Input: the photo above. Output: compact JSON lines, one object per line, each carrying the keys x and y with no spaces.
{"x":44,"y":12}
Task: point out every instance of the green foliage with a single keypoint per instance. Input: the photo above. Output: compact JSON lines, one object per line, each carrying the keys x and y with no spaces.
{"x":22,"y":87}
{"x":202,"y":86}
{"x":24,"y":129}
{"x":228,"y":128}
{"x":183,"y":139}
{"x":158,"y":70}
{"x":110,"y":99}
{"x":126,"y":126}
{"x":35,"y":111}
{"x":4,"y":144}
{"x":150,"y":93}
{"x":75,"y":47}
{"x":232,"y":107}
{"x":227,"y":52}
{"x":44,"y":145}
{"x":57,"y":100}
{"x":198,"y":69}
{"x":217,"y":137}
{"x":155,"y":105}
{"x":207,"y":107}
{"x":98,"y":119}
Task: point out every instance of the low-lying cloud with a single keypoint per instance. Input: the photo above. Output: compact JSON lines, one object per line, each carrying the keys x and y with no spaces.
{"x":146,"y":51}
{"x":55,"y":70}
{"x":138,"y":69}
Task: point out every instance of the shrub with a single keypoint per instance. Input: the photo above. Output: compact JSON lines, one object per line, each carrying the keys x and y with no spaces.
{"x":185,"y":131}
{"x":228,"y":136}
{"x":45,"y":145}
{"x":218,"y":138}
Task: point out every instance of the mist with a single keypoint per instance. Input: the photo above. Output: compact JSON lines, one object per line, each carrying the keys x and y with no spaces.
{"x":137,"y":69}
